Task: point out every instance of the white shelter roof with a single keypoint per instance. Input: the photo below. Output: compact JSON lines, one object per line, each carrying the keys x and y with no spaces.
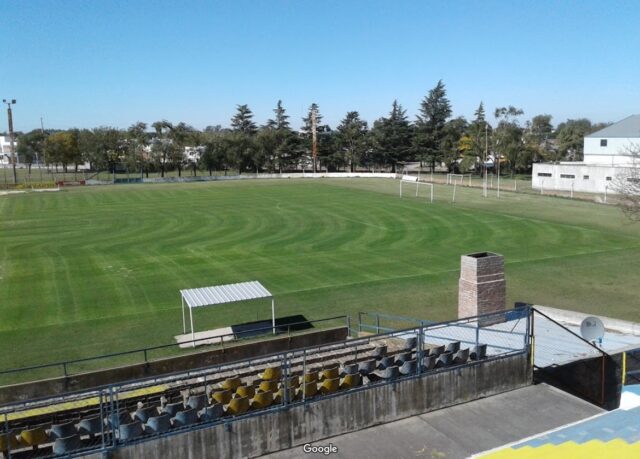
{"x":228,"y":293}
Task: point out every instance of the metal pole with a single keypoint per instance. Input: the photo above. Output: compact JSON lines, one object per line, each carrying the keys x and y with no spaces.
{"x":571,"y":190}
{"x":486,"y":153}
{"x":400,"y":186}
{"x":192,"y":333}
{"x":454,"y":192}
{"x":273,"y":315}
{"x":11,"y":141}
{"x":184,"y":324}
{"x":605,"y":193}
{"x":432,"y":192}
{"x":498,"y":192}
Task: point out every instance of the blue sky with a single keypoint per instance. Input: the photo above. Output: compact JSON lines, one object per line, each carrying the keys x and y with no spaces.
{"x":92,"y":63}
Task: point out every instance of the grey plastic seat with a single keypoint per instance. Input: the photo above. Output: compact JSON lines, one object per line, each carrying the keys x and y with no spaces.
{"x":185,"y":418}
{"x":121,"y":417}
{"x":90,"y":426}
{"x":173,"y":408}
{"x":429,"y":362}
{"x":409,"y":367}
{"x":366,"y":367}
{"x":63,"y":430}
{"x":444,"y":359}
{"x":478,"y":352}
{"x":144,"y":413}
{"x":453,"y":347}
{"x":386,"y":362}
{"x":391,"y":372}
{"x":65,"y":445}
{"x":436,"y":351}
{"x":379,"y":352}
{"x":461,"y":356}
{"x":350,"y":368}
{"x":197,"y":402}
{"x":158,"y":424}
{"x":211,"y":413}
{"x":130,"y":431}
{"x":410,"y":343}
{"x":403,"y":357}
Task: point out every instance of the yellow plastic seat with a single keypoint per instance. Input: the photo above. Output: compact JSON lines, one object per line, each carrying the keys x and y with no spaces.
{"x":245,"y":391}
{"x":350,"y":381}
{"x":8,"y":441}
{"x":329,"y":385}
{"x":262,"y":400}
{"x":221,"y":396}
{"x":268,"y":386}
{"x":309,"y":390}
{"x":293,"y":382}
{"x":311,"y":376}
{"x":230,"y":384}
{"x":34,"y":437}
{"x":238,"y":405}
{"x":330,"y":373}
{"x":271,"y":374}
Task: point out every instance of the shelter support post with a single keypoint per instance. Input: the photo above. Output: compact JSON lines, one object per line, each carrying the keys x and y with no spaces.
{"x":184,"y":324}
{"x":193,"y":339}
{"x":273,"y":315}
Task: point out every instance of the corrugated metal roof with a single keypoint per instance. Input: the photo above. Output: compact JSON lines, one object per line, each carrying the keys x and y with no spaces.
{"x":228,"y":293}
{"x":627,"y":128}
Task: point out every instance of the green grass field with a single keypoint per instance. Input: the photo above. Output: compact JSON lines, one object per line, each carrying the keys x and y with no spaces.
{"x":87,"y":271}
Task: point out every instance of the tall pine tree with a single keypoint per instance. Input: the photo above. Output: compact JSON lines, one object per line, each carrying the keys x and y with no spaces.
{"x":435,"y":109}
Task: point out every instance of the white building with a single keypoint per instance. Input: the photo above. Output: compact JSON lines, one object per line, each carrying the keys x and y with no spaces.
{"x":608,"y":156}
{"x":5,"y":150}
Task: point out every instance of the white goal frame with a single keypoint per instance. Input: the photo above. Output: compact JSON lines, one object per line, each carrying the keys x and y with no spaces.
{"x":451,"y":178}
{"x":414,"y":180}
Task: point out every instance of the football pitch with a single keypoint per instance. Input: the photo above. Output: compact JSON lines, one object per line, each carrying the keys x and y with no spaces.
{"x":97,"y":270}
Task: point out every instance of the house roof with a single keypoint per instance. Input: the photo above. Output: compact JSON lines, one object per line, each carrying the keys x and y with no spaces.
{"x":628,"y":128}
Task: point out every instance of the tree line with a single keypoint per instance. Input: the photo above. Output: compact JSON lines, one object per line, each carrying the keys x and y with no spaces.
{"x":434,"y":138}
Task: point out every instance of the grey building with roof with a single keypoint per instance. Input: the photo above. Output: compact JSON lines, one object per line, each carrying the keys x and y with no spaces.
{"x":610,"y":156}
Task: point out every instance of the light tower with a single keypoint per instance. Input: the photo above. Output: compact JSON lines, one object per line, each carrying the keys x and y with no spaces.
{"x":9,"y":102}
{"x":314,"y":138}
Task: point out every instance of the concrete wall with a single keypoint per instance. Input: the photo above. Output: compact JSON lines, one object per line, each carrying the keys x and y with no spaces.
{"x":596,"y":181}
{"x":336,"y":415}
{"x":295,"y":175}
{"x":57,"y":386}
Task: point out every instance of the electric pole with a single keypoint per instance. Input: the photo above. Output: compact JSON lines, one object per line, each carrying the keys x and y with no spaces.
{"x":13,"y":146}
{"x":314,"y":138}
{"x":486,"y":153}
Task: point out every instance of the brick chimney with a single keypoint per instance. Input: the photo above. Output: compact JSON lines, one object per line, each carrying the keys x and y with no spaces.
{"x":482,"y":287}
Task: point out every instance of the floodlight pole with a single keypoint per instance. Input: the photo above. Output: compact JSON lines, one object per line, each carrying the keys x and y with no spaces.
{"x":486,"y":153}
{"x":13,"y":147}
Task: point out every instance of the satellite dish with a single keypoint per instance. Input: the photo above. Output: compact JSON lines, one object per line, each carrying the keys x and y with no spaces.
{"x":592,"y":329}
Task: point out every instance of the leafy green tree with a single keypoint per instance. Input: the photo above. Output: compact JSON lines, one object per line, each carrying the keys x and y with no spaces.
{"x":31,"y":147}
{"x":161,"y":146}
{"x":570,"y":137}
{"x":62,"y":148}
{"x":452,"y":133}
{"x":242,"y":121}
{"x":435,"y":109}
{"x":277,"y":145}
{"x":537,"y":135}
{"x":508,"y":141}
{"x":280,"y":121}
{"x":181,"y":135}
{"x":352,"y":139}
{"x":392,"y":138}
{"x":214,"y":155}
{"x":137,"y":141}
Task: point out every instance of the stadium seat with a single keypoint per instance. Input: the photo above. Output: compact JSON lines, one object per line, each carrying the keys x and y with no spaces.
{"x":391,"y":372}
{"x":436,"y":351}
{"x":349,"y":368}
{"x":309,"y":390}
{"x":159,"y":424}
{"x":65,"y":445}
{"x":34,"y":437}
{"x":410,"y":343}
{"x":429,"y":362}
{"x":173,"y":408}
{"x":144,"y":413}
{"x":62,"y":430}
{"x":351,"y":380}
{"x":311,"y":376}
{"x":238,"y":405}
{"x":403,"y":357}
{"x":271,"y":374}
{"x":478,"y":352}
{"x":211,"y":413}
{"x":121,"y":417}
{"x":293,"y":382}
{"x":461,"y":356}
{"x":329,"y":386}
{"x":367,"y":366}
{"x":444,"y":359}
{"x":245,"y":391}
{"x":330,"y":372}
{"x":262,"y":400}
{"x":453,"y":347}
{"x":8,"y":442}
{"x":131,"y":430}
{"x":91,"y":426}
{"x":230,"y":384}
{"x":197,"y":402}
{"x":409,"y":367}
{"x":221,"y":396}
{"x":379,"y":352}
{"x":185,"y":418}
{"x":268,"y":386}
{"x":386,"y":362}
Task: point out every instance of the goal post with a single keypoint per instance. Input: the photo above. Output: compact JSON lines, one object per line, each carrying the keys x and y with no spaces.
{"x":457,"y":178}
{"x":410,"y":180}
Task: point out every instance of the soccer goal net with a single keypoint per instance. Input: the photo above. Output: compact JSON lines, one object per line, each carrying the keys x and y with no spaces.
{"x":410,"y":181}
{"x":458,"y":179}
